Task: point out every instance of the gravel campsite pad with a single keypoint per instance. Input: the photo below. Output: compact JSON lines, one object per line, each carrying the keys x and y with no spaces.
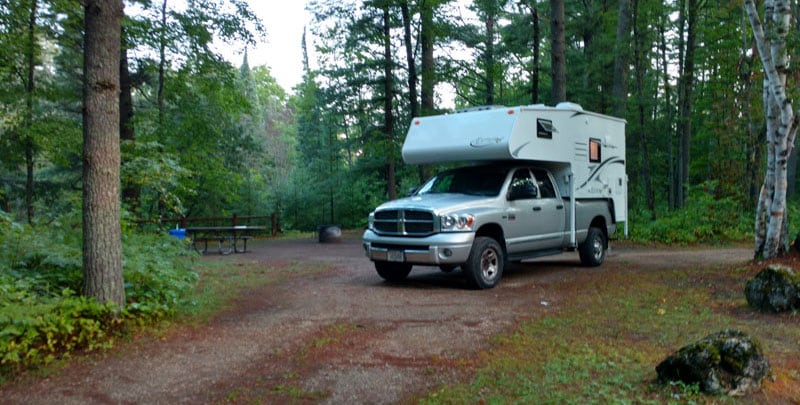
{"x":339,"y":335}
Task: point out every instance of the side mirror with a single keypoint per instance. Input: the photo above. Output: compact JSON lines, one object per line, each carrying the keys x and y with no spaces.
{"x":412,"y":191}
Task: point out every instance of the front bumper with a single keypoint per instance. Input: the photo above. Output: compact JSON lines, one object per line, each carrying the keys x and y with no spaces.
{"x":441,"y":248}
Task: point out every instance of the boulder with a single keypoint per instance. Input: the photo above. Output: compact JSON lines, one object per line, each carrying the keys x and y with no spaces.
{"x":774,"y":289}
{"x":727,"y":362}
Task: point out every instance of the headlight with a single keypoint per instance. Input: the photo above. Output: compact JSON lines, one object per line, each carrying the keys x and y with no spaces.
{"x":371,"y":221}
{"x":456,"y":223}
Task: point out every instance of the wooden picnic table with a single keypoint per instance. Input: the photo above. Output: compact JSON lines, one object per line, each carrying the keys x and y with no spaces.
{"x":227,"y":238}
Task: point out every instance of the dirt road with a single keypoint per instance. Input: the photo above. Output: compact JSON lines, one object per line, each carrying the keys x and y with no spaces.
{"x":339,"y":336}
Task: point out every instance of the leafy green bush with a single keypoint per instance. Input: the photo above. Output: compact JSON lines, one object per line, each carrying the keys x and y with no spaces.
{"x":157,"y":276}
{"x":37,"y":329}
{"x":43,"y":318}
{"x":705,"y":219}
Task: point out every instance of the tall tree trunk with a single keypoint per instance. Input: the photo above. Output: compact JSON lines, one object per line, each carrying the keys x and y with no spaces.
{"x":488,"y":58}
{"x":535,"y":46}
{"x":558,"y":53}
{"x":388,"y":113}
{"x":639,"y":64}
{"x":427,"y":63}
{"x":536,"y":57}
{"x":620,"y":86}
{"x":412,"y":68}
{"x":771,"y":225}
{"x":428,"y":68}
{"x":102,"y":236}
{"x":686,"y":86}
{"x":162,"y":61}
{"x":130,"y":194}
{"x":668,"y":110}
{"x":30,"y":87}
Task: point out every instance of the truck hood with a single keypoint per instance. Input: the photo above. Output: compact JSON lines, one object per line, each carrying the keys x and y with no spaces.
{"x":439,"y":203}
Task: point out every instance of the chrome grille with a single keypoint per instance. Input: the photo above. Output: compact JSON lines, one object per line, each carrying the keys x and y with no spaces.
{"x":404,"y":222}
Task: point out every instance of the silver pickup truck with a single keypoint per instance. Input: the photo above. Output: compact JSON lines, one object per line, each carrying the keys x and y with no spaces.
{"x":479,"y":218}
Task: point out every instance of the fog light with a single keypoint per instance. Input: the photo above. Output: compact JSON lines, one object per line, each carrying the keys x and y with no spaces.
{"x":447,"y":252}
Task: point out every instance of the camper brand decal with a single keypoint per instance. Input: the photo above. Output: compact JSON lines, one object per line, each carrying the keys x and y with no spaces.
{"x":545,"y":128}
{"x":596,"y":170}
{"x":483,"y":142}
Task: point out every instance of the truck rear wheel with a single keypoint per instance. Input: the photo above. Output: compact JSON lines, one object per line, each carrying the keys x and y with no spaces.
{"x":484,"y":267}
{"x":393,"y":272}
{"x":593,"y":250}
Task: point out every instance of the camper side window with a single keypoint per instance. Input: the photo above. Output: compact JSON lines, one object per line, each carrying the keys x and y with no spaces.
{"x":594,"y":150}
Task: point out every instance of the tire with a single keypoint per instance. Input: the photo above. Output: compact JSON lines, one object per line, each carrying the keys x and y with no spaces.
{"x":484,"y":267}
{"x":593,"y":250}
{"x":393,"y":272}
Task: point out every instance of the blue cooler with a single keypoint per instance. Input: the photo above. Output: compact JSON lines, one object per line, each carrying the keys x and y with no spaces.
{"x":179,"y":233}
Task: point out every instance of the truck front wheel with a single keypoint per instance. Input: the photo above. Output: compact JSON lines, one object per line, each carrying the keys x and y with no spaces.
{"x":593,"y":250}
{"x":392,"y":271}
{"x":484,"y":267}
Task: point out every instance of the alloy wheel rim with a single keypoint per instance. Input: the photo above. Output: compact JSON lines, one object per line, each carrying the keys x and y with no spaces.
{"x":489,"y":264}
{"x":597,"y":249}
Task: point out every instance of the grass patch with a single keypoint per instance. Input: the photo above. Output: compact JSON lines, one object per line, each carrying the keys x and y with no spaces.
{"x":294,"y":393}
{"x":225,"y":279}
{"x":602,"y":343}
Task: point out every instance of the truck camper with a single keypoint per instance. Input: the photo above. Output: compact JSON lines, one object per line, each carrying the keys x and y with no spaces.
{"x":536,"y":180}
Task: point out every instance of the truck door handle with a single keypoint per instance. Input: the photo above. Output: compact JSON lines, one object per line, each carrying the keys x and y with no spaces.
{"x":537,"y":208}
{"x":559,"y":207}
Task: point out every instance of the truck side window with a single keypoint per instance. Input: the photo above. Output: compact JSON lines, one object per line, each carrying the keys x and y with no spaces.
{"x":522,"y":186}
{"x":545,"y":185}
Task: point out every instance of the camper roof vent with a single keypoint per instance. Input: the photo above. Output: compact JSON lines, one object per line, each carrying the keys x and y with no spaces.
{"x":479,"y":108}
{"x":566,"y":105}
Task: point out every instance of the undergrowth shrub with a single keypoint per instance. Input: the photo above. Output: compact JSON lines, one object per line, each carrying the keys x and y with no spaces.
{"x":43,"y":317}
{"x":36,"y":329}
{"x":705,"y":219}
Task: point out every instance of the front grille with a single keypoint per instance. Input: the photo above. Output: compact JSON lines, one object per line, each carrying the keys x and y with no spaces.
{"x":404,"y":222}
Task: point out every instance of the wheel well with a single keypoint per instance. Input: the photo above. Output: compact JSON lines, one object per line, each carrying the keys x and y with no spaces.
{"x":600,"y":223}
{"x":493,"y":231}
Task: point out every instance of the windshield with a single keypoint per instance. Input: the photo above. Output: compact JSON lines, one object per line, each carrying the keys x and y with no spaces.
{"x":482,"y":181}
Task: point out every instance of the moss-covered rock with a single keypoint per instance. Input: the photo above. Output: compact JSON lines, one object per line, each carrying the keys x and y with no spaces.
{"x":727,"y":362}
{"x":774,"y":289}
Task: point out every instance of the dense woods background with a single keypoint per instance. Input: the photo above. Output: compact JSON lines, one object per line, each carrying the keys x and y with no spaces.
{"x":201,"y":137}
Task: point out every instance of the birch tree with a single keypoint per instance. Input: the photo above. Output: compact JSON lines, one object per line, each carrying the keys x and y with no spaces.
{"x":771,"y":225}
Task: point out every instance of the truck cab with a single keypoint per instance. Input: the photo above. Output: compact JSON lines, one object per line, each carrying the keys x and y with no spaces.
{"x":479,"y":217}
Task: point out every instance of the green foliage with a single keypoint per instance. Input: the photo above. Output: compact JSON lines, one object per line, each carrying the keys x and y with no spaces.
{"x":706,"y":219}
{"x":36,"y":329}
{"x":157,"y":275}
{"x":158,"y":175}
{"x":43,"y":318}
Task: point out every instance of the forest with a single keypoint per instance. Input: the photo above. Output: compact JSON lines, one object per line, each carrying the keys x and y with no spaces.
{"x":203,"y":137}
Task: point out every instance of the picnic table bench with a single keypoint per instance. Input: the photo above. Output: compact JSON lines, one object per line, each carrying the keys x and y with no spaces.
{"x":228,"y":238}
